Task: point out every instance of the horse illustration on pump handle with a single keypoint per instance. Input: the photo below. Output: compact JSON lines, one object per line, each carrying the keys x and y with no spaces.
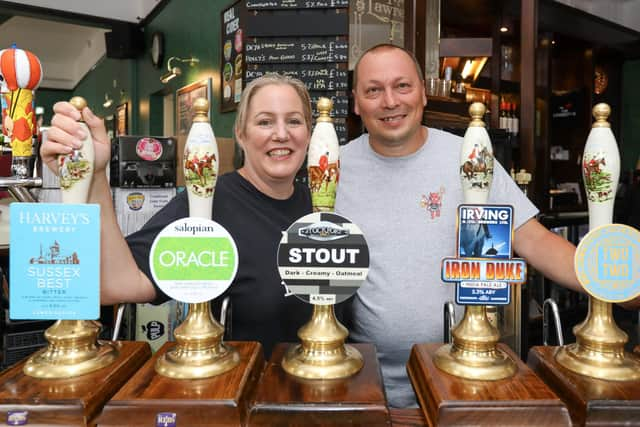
{"x":479,"y":161}
{"x":198,"y":165}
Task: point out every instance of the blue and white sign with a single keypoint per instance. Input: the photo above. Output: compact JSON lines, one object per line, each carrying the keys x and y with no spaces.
{"x":484,"y":232}
{"x":54,"y":261}
{"x":483,"y":293}
{"x":607,"y":263}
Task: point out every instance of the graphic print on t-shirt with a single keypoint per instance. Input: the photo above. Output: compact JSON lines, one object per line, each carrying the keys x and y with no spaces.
{"x":433,"y":203}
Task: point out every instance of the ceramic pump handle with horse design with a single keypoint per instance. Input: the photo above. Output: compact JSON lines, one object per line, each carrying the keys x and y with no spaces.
{"x":323,"y":164}
{"x":473,"y":353}
{"x":199,"y":350}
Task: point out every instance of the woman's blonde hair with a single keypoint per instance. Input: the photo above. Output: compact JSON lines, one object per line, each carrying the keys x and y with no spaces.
{"x":266,"y":80}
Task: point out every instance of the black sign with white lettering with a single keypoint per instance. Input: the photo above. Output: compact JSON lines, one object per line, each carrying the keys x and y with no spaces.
{"x":304,"y":39}
{"x":323,"y":258}
{"x":297,"y":23}
{"x":296,"y":49}
{"x":340,"y":124}
{"x":296,"y":4}
{"x":232,"y":62}
{"x":315,"y":76}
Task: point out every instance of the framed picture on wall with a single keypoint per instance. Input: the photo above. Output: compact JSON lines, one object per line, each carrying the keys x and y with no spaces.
{"x":185,"y":97}
{"x":122,"y":125}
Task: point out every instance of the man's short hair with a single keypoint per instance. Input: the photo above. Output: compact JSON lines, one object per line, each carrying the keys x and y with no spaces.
{"x":386,"y":46}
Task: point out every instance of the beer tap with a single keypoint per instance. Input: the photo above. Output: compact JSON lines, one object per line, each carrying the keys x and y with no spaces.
{"x":73,"y":348}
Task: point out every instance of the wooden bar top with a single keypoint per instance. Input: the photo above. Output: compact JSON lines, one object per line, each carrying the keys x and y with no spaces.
{"x":71,"y":401}
{"x":196,"y":402}
{"x":282,"y":399}
{"x":409,"y":417}
{"x":591,"y":401}
{"x":446,"y":400}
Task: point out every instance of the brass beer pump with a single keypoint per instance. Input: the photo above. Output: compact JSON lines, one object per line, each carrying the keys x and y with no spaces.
{"x":199,"y":352}
{"x":599,"y":348}
{"x":73,"y":348}
{"x":474,"y":353}
{"x":322,"y":353}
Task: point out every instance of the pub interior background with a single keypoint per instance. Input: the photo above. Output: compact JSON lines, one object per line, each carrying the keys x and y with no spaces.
{"x":540,"y":66}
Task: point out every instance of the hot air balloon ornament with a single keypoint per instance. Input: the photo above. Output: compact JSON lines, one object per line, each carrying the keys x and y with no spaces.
{"x":20,"y":74}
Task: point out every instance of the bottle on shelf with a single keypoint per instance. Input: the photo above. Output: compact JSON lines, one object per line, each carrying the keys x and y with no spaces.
{"x":515,"y":122}
{"x":502,"y":123}
{"x":508,"y":117}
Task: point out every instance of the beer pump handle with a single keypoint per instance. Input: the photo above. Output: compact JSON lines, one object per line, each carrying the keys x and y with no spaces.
{"x":600,"y":168}
{"x":77,"y":168}
{"x":323,"y":164}
{"x":476,"y":158}
{"x":200,"y":164}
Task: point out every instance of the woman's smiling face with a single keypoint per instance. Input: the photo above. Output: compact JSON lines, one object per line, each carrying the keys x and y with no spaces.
{"x":276,"y":136}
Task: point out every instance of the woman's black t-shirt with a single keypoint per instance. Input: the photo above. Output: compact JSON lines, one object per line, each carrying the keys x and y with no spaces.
{"x":260,"y":311}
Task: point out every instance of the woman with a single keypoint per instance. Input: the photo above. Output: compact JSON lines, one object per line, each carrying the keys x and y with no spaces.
{"x":255,"y":204}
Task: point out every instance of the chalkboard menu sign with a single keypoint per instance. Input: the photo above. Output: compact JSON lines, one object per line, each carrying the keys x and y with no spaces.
{"x":296,"y":4}
{"x":341,"y":129}
{"x":340,"y":102}
{"x":297,"y":22}
{"x":315,"y":76}
{"x":305,"y":39}
{"x":297,"y":49}
{"x":232,"y":62}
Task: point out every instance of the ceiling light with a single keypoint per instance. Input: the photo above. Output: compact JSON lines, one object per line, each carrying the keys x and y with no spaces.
{"x":504,"y":29}
{"x":172,"y":72}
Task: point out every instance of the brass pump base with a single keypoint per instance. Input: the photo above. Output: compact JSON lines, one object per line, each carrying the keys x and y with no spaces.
{"x":73,"y":351}
{"x":322,"y":353}
{"x":612,"y":366}
{"x":599,"y":348}
{"x":474,"y":354}
{"x":486,"y":366}
{"x":185,"y":364}
{"x":199,"y":352}
{"x":329,"y":364}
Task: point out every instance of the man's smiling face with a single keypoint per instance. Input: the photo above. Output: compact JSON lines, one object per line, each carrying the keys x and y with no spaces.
{"x":390,"y":99}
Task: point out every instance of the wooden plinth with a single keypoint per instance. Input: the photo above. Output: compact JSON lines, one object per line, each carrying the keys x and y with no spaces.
{"x":407,"y":417}
{"x":446,"y":400}
{"x":220,"y":400}
{"x":591,"y":402}
{"x":284,"y":400}
{"x":72,"y":401}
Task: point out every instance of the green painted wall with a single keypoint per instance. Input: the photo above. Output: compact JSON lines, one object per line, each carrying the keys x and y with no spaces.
{"x":630,"y":146}
{"x":190,"y":28}
{"x":47,"y":97}
{"x":115,"y":78}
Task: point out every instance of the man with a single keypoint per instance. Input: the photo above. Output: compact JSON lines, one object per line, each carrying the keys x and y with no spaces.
{"x":384,"y":176}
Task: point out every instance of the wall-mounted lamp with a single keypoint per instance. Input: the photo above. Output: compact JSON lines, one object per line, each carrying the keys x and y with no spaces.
{"x":107,"y":101}
{"x":176,"y":71}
